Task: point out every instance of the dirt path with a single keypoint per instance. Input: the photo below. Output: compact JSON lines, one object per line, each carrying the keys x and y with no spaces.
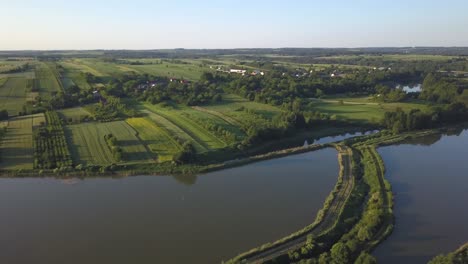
{"x":330,"y":215}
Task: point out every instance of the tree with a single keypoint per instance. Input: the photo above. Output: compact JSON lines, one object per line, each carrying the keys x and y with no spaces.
{"x":324,"y":258}
{"x":3,"y":114}
{"x":186,"y":155}
{"x":365,"y":258}
{"x":340,"y":253}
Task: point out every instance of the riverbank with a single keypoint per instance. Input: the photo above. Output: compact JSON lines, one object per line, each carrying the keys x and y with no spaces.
{"x":325,"y":219}
{"x":372,"y":174}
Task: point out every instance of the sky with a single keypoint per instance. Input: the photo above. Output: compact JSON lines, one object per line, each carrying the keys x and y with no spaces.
{"x":146,"y":24}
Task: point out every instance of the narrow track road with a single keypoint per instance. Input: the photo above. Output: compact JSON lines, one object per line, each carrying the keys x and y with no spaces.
{"x":345,"y":158}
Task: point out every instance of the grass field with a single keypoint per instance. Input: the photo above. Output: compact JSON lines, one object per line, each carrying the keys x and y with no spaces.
{"x":16,"y":150}
{"x":361,"y":109}
{"x":183,"y":71}
{"x":73,"y":75}
{"x":87,"y":144}
{"x":78,"y":66}
{"x":156,"y":138}
{"x":47,"y":81}
{"x":231,"y":104}
{"x":175,"y":114}
{"x":173,"y":129}
{"x":13,"y":94}
{"x":191,"y":71}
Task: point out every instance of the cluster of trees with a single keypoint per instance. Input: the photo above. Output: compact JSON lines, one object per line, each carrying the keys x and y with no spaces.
{"x":399,"y":120}
{"x":263,"y":129}
{"x":439,"y":90}
{"x":50,"y":146}
{"x":114,"y":147}
{"x":111,"y":108}
{"x":3,"y":114}
{"x":387,"y":94}
{"x":278,"y":88}
{"x":20,"y":68}
{"x":160,"y":89}
{"x":186,"y":154}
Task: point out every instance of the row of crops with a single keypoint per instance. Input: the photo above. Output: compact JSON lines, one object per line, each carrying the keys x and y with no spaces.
{"x":50,"y":146}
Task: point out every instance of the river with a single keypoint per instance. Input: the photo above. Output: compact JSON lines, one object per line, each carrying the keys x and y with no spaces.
{"x":430,"y":180}
{"x":157,"y":219}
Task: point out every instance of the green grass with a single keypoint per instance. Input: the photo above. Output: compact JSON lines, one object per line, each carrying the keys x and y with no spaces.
{"x":13,"y":94}
{"x":79,"y":66}
{"x":47,"y":81}
{"x":186,"y":71}
{"x":190,"y":71}
{"x":361,"y":109}
{"x":157,"y":138}
{"x":73,"y":74}
{"x":16,"y":148}
{"x":87,"y":144}
{"x":3,"y":81}
{"x":175,"y":114}
{"x":173,"y":129}
{"x":27,"y":75}
{"x":231,"y":104}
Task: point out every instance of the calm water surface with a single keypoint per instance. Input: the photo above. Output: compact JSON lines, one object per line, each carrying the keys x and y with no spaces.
{"x":162,"y":219}
{"x":430,"y":181}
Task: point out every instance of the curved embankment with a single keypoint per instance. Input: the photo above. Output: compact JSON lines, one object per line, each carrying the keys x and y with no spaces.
{"x":457,"y":257}
{"x":325,"y":219}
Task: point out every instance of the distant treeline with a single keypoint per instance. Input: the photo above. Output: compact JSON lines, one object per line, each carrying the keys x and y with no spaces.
{"x":197,"y":53}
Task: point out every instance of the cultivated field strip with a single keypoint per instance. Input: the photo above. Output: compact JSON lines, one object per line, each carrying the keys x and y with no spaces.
{"x":176,"y":130}
{"x":13,"y":94}
{"x":226,"y":118}
{"x":220,"y":119}
{"x":155,"y":137}
{"x":46,"y":81}
{"x":77,"y":65}
{"x":191,"y":127}
{"x":16,"y":148}
{"x":88,"y":146}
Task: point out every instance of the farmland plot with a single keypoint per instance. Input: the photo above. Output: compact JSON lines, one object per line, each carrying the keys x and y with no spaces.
{"x":87,"y":144}
{"x":157,"y":138}
{"x":13,"y":94}
{"x":47,"y":83}
{"x":17,"y":146}
{"x":193,"y":128}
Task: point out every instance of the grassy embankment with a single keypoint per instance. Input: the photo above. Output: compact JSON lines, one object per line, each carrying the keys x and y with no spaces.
{"x":360,"y":233}
{"x":460,"y":256}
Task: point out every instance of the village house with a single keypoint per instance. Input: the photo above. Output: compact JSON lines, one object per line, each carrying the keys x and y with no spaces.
{"x":257,"y":72}
{"x":237,"y":71}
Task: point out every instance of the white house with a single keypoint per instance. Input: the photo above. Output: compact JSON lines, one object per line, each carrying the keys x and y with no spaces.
{"x":237,"y":71}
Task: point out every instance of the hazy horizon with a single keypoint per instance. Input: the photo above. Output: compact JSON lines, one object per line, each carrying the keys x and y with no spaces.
{"x":149,"y":25}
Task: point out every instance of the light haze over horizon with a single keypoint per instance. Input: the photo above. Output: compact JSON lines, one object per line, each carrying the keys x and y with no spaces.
{"x":145,"y":24}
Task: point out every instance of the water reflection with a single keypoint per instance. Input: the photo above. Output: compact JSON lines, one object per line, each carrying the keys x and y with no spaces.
{"x":158,"y":219}
{"x":429,"y":180}
{"x":332,"y":139}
